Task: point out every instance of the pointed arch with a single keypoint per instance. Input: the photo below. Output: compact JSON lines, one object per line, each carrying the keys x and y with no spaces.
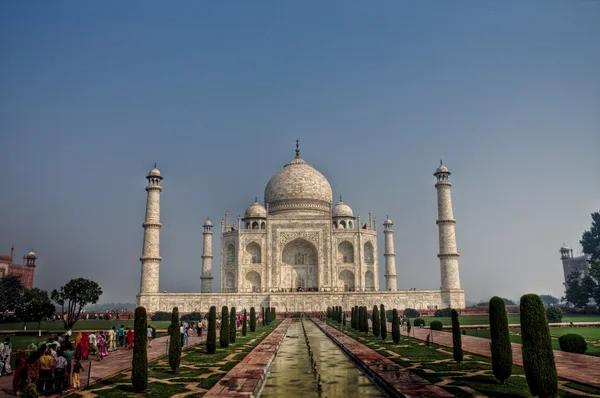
{"x":253,"y":252}
{"x":347,"y":279}
{"x":369,"y":281}
{"x":253,"y":281}
{"x":346,"y":252}
{"x":369,"y":254}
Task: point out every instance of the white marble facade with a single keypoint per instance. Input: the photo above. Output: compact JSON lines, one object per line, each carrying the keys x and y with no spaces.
{"x":300,"y":252}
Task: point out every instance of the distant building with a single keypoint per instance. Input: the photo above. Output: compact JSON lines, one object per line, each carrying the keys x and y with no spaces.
{"x":572,"y":264}
{"x":25,"y":271}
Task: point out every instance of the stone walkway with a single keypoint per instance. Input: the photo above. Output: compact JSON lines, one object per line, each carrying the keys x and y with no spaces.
{"x":399,"y":381}
{"x":246,"y":378}
{"x":583,"y":369}
{"x":114,"y":363}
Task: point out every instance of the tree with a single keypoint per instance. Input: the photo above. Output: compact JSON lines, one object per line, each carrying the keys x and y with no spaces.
{"x":340,"y":314}
{"x":376,"y":321}
{"x":549,"y":300}
{"x":224,"y":337}
{"x":575,"y":290}
{"x":211,"y":334}
{"x":35,"y":305}
{"x":554,"y":314}
{"x":366,"y":320}
{"x":232,"y":325}
{"x":383,"y":321}
{"x":174,"y":341}
{"x":456,"y":338}
{"x":538,"y":358}
{"x":244,"y":324}
{"x":590,"y":241}
{"x":252,"y":319}
{"x":139,"y":362}
{"x":11,"y":290}
{"x":395,"y":327}
{"x":500,"y":345}
{"x":75,"y":295}
{"x":508,"y":301}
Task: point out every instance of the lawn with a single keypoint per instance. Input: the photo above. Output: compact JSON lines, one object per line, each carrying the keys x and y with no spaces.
{"x":512,"y":319}
{"x":199,"y":371}
{"x":84,"y":324}
{"x":436,"y":365}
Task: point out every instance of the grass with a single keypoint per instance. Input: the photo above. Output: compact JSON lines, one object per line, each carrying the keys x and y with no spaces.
{"x":435,"y":364}
{"x":512,"y":319}
{"x":198,"y":370}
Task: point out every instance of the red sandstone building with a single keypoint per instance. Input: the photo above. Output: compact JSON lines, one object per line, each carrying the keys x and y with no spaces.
{"x":24,"y":271}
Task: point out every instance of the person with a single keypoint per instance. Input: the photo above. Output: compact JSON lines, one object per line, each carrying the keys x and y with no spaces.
{"x":121,"y":335}
{"x":66,"y":343}
{"x":185,"y":336}
{"x":5,"y":352}
{"x":78,"y":338}
{"x":68,"y":354}
{"x":47,"y":364}
{"x":101,"y":343}
{"x":129,"y":338}
{"x":181,"y":330}
{"x":112,"y":336}
{"x":93,"y":345}
{"x":77,"y":368}
{"x":20,"y":374}
{"x":32,"y":368}
{"x":60,"y":371}
{"x":149,"y":336}
{"x":83,"y":348}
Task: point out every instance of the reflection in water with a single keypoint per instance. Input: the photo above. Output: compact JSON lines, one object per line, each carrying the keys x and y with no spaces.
{"x":291,"y":375}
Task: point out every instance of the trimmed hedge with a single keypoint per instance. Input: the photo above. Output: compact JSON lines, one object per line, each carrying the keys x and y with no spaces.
{"x":366,"y":320}
{"x":418,"y":322}
{"x":161,"y":316}
{"x":554,"y":315}
{"x":446,"y":312}
{"x":383,"y":326}
{"x":538,"y":358}
{"x":376,"y":321}
{"x":139,"y":362}
{"x":395,"y":327}
{"x":436,"y":325}
{"x":500,"y":336}
{"x":252,"y":319}
{"x":174,"y":341}
{"x":456,"y":338}
{"x":232,"y":325}
{"x":211,"y":334}
{"x":224,"y":336}
{"x":411,"y":313}
{"x":192,"y":316}
{"x":244,"y":324}
{"x":573,"y":342}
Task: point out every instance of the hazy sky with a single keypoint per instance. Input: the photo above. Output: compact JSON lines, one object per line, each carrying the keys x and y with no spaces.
{"x":92,"y":94}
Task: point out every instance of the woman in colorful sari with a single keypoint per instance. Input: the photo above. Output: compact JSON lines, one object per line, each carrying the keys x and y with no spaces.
{"x":20,"y":373}
{"x":185,"y":335}
{"x":102,"y":345}
{"x":129,"y":338}
{"x":78,"y":338}
{"x":83,"y":347}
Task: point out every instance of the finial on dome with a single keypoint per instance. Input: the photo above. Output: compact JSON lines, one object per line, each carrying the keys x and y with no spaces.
{"x":341,"y":198}
{"x":256,"y":199}
{"x":441,"y":162}
{"x":154,"y":164}
{"x":297,"y":148}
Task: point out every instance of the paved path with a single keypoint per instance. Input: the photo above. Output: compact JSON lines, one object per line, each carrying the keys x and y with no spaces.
{"x":114,"y":363}
{"x":576,"y":367}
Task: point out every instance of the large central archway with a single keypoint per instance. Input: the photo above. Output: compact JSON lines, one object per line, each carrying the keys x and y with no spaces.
{"x":300,"y":265}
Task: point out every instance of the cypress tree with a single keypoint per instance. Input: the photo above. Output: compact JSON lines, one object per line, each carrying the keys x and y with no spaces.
{"x":232,"y":325}
{"x":211,"y":334}
{"x":376,"y":322}
{"x":339,"y":318}
{"x":273,"y":314}
{"x":244,"y":324}
{"x":174,"y":341}
{"x":343,"y":320}
{"x":334,"y":315}
{"x":383,"y":328}
{"x":352,"y":317}
{"x":264,"y":316}
{"x":327,"y":316}
{"x":500,"y":345}
{"x":357,"y":322}
{"x":139,"y":363}
{"x":366,"y":321}
{"x":252,"y":319}
{"x":456,"y":338}
{"x":538,"y":358}
{"x":395,"y":327}
{"x":360,"y":319}
{"x":224,"y":337}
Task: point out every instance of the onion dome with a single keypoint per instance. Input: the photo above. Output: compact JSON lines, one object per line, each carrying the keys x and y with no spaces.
{"x":31,"y":254}
{"x":441,"y":169}
{"x":341,"y":209}
{"x":564,"y":247}
{"x":208,"y":223}
{"x":256,"y":210}
{"x":388,"y":221}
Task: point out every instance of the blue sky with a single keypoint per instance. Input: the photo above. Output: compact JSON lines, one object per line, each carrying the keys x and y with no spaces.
{"x":92,"y":94}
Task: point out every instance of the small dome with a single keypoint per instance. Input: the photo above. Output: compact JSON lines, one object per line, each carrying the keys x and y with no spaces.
{"x":256,"y":210}
{"x":31,"y":254}
{"x":388,"y":221}
{"x":155,"y":172}
{"x":208,"y":223}
{"x":441,"y":169}
{"x":342,"y":210}
{"x":564,"y":247}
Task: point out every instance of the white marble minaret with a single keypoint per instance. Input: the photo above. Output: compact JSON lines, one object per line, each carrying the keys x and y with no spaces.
{"x":390,"y":256}
{"x":206,"y":278}
{"x":448,"y":254}
{"x":151,"y":252}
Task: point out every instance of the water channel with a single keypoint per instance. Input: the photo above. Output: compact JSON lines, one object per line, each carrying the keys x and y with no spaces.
{"x":292,"y":374}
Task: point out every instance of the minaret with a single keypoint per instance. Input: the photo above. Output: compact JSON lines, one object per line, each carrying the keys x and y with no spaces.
{"x":207,"y":257}
{"x":448,"y":254}
{"x":390,"y":256}
{"x":151,"y":252}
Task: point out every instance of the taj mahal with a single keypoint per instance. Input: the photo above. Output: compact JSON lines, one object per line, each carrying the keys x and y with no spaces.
{"x":300,"y":252}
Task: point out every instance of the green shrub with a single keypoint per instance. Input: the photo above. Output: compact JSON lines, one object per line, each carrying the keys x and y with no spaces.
{"x":500,"y":336}
{"x":411,"y":313}
{"x":456,"y":338}
{"x":224,"y":336}
{"x":376,"y":322}
{"x":191,"y":317}
{"x":139,"y":362}
{"x":273,"y":314}
{"x":360,"y":319}
{"x":352,"y":317}
{"x":244,"y":324}
{"x":366,"y":320}
{"x":174,"y":341}
{"x":252,"y":319}
{"x":211,"y":334}
{"x":383,"y":326}
{"x":446,"y":312}
{"x":419,"y":322}
{"x":554,"y":314}
{"x":436,"y":325}
{"x":232,"y":325}
{"x":538,"y":358}
{"x":161,"y":316}
{"x":395,"y":327}
{"x":572,"y":343}
{"x":340,"y":312}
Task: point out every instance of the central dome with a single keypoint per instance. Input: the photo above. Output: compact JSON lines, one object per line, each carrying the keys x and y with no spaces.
{"x":298,"y":187}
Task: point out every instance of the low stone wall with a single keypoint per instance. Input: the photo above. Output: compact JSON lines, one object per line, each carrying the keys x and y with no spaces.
{"x":247,"y":377}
